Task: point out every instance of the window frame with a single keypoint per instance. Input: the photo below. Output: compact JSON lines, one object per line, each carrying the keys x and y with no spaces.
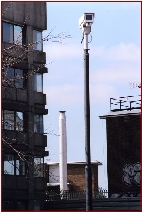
{"x":38,"y":125}
{"x":39,"y":171}
{"x":36,"y":82}
{"x":35,"y":42}
{"x":14,"y":165}
{"x":14,"y":78}
{"x":13,"y":34}
{"x":15,"y":125}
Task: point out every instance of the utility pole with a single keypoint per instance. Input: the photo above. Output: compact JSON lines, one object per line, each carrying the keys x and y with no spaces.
{"x":85,"y":23}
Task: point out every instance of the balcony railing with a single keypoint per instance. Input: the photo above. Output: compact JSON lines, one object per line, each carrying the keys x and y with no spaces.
{"x":80,"y":195}
{"x":127,"y":103}
{"x":73,"y":195}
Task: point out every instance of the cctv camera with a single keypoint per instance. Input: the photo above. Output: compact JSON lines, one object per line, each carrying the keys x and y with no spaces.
{"x":86,"y":19}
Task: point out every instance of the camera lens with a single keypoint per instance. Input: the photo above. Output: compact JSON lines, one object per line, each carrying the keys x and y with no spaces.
{"x":88,"y":17}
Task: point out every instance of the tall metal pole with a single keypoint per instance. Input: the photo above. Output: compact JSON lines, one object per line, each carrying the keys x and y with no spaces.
{"x":85,"y":23}
{"x":88,"y":173}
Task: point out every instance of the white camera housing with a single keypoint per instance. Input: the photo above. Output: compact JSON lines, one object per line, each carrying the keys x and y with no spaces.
{"x":87,"y":19}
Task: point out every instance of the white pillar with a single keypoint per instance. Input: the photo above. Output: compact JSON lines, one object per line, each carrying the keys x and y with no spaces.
{"x":62,"y":151}
{"x":86,"y":31}
{"x":85,"y":41}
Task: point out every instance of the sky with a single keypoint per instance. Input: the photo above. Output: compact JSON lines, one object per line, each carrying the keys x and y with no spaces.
{"x":114,"y":64}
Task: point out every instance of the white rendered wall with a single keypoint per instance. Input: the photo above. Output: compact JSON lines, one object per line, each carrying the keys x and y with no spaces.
{"x":54,"y":174}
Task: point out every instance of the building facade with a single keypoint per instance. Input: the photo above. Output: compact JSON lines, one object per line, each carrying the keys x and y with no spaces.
{"x":23,"y":104}
{"x":75,"y":176}
{"x":123,"y":147}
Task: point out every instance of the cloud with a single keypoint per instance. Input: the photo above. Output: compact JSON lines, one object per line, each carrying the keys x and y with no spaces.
{"x":121,"y":51}
{"x":101,"y":93}
{"x":73,"y":95}
{"x":120,"y":65}
{"x":118,"y":52}
{"x":119,"y":74}
{"x":64,"y":95}
{"x":62,"y":51}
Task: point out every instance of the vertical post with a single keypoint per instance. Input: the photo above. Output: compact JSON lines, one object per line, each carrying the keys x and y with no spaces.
{"x":88,"y":174}
{"x":85,"y":23}
{"x":62,"y":151}
{"x":120,"y":104}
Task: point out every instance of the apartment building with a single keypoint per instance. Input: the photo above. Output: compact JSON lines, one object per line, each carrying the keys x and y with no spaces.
{"x":23,"y":105}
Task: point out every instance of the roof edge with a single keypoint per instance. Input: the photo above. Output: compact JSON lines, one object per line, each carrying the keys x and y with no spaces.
{"x":121,"y":113}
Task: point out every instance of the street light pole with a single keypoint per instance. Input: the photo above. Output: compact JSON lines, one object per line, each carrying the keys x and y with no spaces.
{"x":88,"y":173}
{"x":85,"y":23}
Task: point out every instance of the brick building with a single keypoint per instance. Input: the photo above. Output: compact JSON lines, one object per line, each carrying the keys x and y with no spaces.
{"x":75,"y":176}
{"x":23,"y":104}
{"x":123,"y":147}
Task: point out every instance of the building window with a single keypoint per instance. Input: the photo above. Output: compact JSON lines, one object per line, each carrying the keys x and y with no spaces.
{"x":38,"y":82}
{"x":12,"y":33}
{"x":13,"y":165}
{"x":8,"y":120}
{"x":9,"y":164}
{"x":20,"y":167}
{"x":38,"y":124}
{"x":12,"y":120}
{"x":37,"y":40}
{"x":13,"y":77}
{"x":38,"y":167}
{"x":19,"y":121}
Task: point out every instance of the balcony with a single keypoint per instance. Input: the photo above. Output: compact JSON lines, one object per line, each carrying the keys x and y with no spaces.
{"x":40,"y":140}
{"x":15,"y":137}
{"x":14,"y":94}
{"x":39,"y":98}
{"x":14,"y":182}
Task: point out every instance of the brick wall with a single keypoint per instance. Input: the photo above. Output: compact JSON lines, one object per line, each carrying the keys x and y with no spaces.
{"x":76,"y":176}
{"x":123,"y":147}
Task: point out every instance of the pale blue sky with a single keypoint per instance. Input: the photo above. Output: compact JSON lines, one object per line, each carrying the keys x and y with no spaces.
{"x":114,"y":63}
